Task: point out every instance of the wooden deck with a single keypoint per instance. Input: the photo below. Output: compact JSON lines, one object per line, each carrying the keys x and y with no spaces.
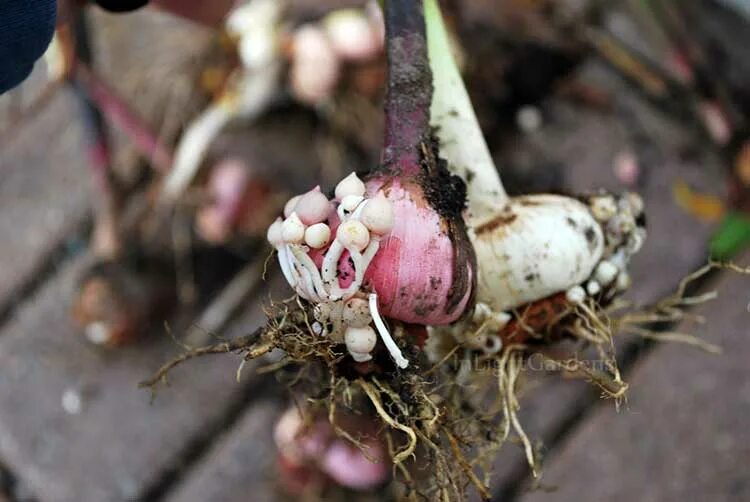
{"x":683,"y":434}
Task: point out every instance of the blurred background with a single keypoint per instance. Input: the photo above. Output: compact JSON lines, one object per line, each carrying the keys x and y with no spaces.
{"x":143,"y":159}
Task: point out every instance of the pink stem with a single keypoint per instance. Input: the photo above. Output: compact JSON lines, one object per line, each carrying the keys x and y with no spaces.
{"x":409,"y":89}
{"x":117,"y":111}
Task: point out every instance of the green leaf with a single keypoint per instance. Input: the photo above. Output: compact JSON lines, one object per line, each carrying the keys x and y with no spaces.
{"x":732,"y":236}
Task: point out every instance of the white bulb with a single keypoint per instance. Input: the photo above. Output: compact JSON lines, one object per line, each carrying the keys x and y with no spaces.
{"x":635,"y":202}
{"x":290,"y":205}
{"x":293,"y":230}
{"x":353,"y":234}
{"x":623,"y":281}
{"x":357,"y":313}
{"x":351,"y":34}
{"x":360,"y":342}
{"x":606,"y":272}
{"x":575,"y":295}
{"x":377,"y":215}
{"x":351,"y":185}
{"x":315,"y":68}
{"x":593,"y":288}
{"x":603,"y":207}
{"x":498,"y":320}
{"x":274,"y":233}
{"x":481,"y":312}
{"x":317,"y":235}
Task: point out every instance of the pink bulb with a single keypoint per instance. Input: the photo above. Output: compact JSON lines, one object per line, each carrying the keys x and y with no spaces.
{"x":227,"y":185}
{"x":413,"y":270}
{"x":313,"y":207}
{"x":348,"y":466}
{"x":315,"y":68}
{"x":412,"y":273}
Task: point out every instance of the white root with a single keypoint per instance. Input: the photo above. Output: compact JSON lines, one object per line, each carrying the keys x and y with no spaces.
{"x":306,"y":262}
{"x":361,"y":262}
{"x":285,"y":265}
{"x":390,"y":344}
{"x":331,"y":262}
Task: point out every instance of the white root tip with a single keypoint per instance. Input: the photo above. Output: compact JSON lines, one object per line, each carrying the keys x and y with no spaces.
{"x":390,"y":344}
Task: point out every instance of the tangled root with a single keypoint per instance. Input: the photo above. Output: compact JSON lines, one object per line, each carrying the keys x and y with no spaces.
{"x":445,"y":417}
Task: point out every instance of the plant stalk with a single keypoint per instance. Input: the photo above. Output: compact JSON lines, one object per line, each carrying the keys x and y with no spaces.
{"x":461,"y":140}
{"x":409,"y":87}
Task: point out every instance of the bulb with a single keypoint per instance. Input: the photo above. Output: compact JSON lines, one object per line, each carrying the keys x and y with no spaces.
{"x":354,"y":234}
{"x":539,"y":245}
{"x":313,"y":207}
{"x":317,"y":235}
{"x":293,"y":230}
{"x":424,"y":270}
{"x":274,"y":234}
{"x":351,"y":185}
{"x":315,"y":68}
{"x":315,"y":448}
{"x":352,"y":35}
{"x":360,"y":342}
{"x":377,"y":215}
{"x":356,"y":313}
{"x":290,"y":205}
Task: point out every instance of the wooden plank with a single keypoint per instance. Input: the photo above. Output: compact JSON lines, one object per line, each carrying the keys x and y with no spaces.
{"x":44,"y":188}
{"x":119,"y":445}
{"x":43,"y":191}
{"x":683,"y":434}
{"x":240,"y":466}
